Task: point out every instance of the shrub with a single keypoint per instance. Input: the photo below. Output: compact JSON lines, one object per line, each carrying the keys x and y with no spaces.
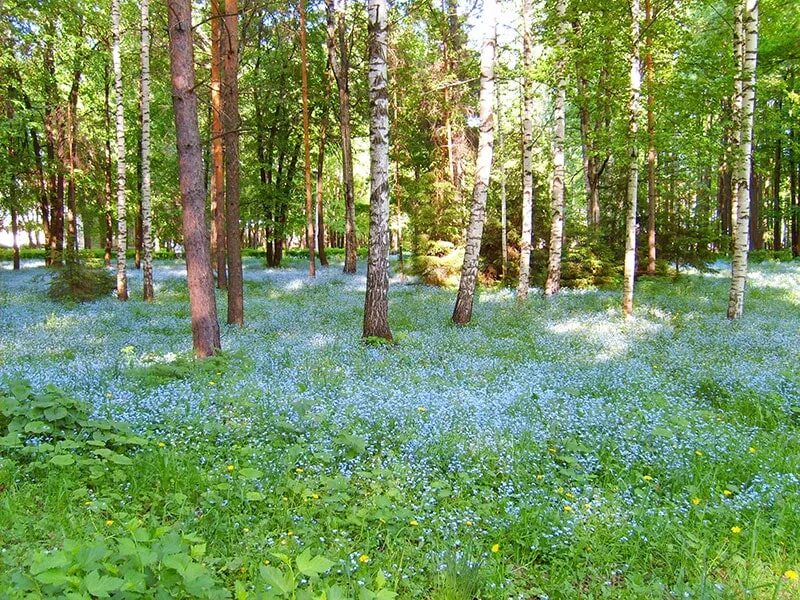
{"x":78,"y":282}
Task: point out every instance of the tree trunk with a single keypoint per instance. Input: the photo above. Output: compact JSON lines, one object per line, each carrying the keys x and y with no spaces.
{"x":376,"y":302}
{"x":462,"y":312}
{"x":218,"y":244}
{"x":553,"y":283}
{"x":323,"y":259}
{"x":629,"y":271}
{"x":527,"y":152}
{"x":230,"y":124}
{"x":122,"y":240}
{"x":15,"y":232}
{"x":777,"y":213}
{"x":340,"y":65}
{"x":200,"y":278}
{"x":651,"y":142}
{"x":310,"y":237}
{"x":147,"y":238}
{"x":748,"y":48}
{"x":108,"y":200}
{"x":793,"y":198}
{"x":72,"y":149}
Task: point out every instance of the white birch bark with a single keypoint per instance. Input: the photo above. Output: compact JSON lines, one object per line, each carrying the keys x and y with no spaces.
{"x":147,"y":239}
{"x":553,"y":283}
{"x":634,"y":110}
{"x":376,"y":302}
{"x":747,"y":76}
{"x":462,"y":313}
{"x":527,"y":153}
{"x":122,"y":230}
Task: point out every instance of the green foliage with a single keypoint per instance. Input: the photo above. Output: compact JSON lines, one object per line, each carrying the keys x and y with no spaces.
{"x":76,"y":282}
{"x":439,"y":263}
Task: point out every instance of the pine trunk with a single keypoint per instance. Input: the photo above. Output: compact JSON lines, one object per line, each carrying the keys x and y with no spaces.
{"x":462,"y":312}
{"x":376,"y":302}
{"x":200,"y":278}
{"x":323,"y":131}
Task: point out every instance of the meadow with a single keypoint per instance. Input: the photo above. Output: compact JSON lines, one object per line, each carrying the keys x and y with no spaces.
{"x":551,"y":449}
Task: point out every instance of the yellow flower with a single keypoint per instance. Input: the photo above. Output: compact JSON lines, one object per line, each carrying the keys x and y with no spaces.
{"x":751,"y":450}
{"x":315,"y":496}
{"x":728,"y":493}
{"x":695,"y":500}
{"x":736,"y":529}
{"x":422,"y":409}
{"x":413,"y":522}
{"x":647,"y":477}
{"x":496,"y":548}
{"x":569,"y":495}
{"x":161,"y":444}
{"x":290,"y":533}
{"x":109,"y":522}
{"x":567,"y":508}
{"x":468,"y":523}
{"x":87,"y":503}
{"x":230,"y":468}
{"x":363,"y":559}
{"x":552,"y":450}
{"x":698,"y":452}
{"x":587,"y":506}
{"x":299,"y":470}
{"x":246,"y":530}
{"x":266,"y":561}
{"x":539,"y":477}
{"x":791,"y":574}
{"x":211,"y":383}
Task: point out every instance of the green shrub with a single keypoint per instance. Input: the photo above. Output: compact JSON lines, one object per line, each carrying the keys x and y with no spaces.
{"x":76,"y":281}
{"x":440,"y":265}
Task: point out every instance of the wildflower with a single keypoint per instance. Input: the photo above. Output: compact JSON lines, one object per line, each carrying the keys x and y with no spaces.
{"x":413,"y":522}
{"x":791,"y":575}
{"x":315,"y":496}
{"x":569,"y":495}
{"x":109,"y":523}
{"x":364,"y":558}
{"x":230,"y":468}
{"x":421,"y":409}
{"x":211,"y":383}
{"x":647,"y":477}
{"x":290,"y":533}
{"x":496,"y":548}
{"x":751,"y":450}
{"x":587,"y":506}
{"x":161,"y":444}
{"x":539,"y":477}
{"x":266,"y":561}
{"x":246,"y":530}
{"x":299,"y":470}
{"x":698,"y":452}
{"x":728,"y":493}
{"x":695,"y":500}
{"x":552,"y":450}
{"x":567,"y":508}
{"x":736,"y":530}
{"x":468,"y":523}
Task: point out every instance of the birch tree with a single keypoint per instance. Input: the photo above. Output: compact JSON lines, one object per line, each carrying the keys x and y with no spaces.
{"x":122,"y":240}
{"x":147,"y":239}
{"x":376,"y":302}
{"x":553,"y":282}
{"x":527,"y":152}
{"x":651,"y":140}
{"x":200,"y":278}
{"x":462,"y":313}
{"x":629,"y":271}
{"x":746,"y":56}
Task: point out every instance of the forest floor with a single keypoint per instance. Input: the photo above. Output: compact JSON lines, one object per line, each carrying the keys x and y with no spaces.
{"x":548,"y":450}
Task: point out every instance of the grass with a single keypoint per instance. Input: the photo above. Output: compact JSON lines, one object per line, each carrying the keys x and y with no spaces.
{"x":548,"y":450}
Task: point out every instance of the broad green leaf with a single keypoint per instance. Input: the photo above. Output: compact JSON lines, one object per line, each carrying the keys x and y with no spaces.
{"x":313,"y":567}
{"x":101,"y":586}
{"x":62,"y":460}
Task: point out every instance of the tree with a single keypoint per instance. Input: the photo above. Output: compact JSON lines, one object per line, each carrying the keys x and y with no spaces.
{"x":323,"y":131}
{"x":376,"y":302}
{"x":339,"y":56}
{"x":230,"y":124}
{"x":553,"y":283}
{"x":651,"y":140}
{"x":147,"y":239}
{"x":746,"y":55}
{"x":200,"y":278}
{"x":527,"y":152}
{"x":218,"y":244}
{"x":122,"y":240}
{"x":310,"y":241}
{"x":462,"y":313}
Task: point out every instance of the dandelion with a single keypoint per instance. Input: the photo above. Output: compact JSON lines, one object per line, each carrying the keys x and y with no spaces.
{"x":468,"y":523}
{"x":161,"y":444}
{"x":791,"y":575}
{"x":567,"y":508}
{"x":751,"y":450}
{"x":587,"y":506}
{"x":211,"y":383}
{"x":736,"y":530}
{"x":698,"y":452}
{"x":728,"y":493}
{"x":109,"y":523}
{"x":495,"y":548}
{"x":299,"y":470}
{"x":413,"y":522}
{"x":421,"y":409}
{"x":695,"y":500}
{"x":363,"y":559}
{"x":647,"y":477}
{"x":230,"y":468}
{"x":315,"y":496}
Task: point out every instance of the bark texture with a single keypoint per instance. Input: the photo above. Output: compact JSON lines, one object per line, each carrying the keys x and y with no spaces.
{"x":200,"y":279}
{"x":218,"y":245}
{"x":147,"y":238}
{"x":122,"y":229}
{"x":376,"y":302}
{"x":310,"y":237}
{"x":651,"y":141}
{"x":527,"y":152}
{"x":462,"y":313}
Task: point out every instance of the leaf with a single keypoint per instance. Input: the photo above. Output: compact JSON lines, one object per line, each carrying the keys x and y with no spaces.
{"x":283,"y":584}
{"x":62,"y":460}
{"x":254,"y":496}
{"x":119,"y":459}
{"x":37,"y":427}
{"x":250,"y":473}
{"x":313,"y":567}
{"x":56,"y":413}
{"x":198,"y":550}
{"x":101,"y":585}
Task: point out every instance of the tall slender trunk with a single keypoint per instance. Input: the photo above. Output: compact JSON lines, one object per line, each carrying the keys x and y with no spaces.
{"x":629,"y":271}
{"x":777,"y":213}
{"x":553,"y":283}
{"x":218,"y":245}
{"x":323,"y":131}
{"x":651,"y":140}
{"x":312,"y":264}
{"x":462,"y":312}
{"x":200,"y":278}
{"x":122,"y":240}
{"x":340,"y":65}
{"x":230,"y":124}
{"x":108,"y":200}
{"x":147,"y":239}
{"x":376,"y":301}
{"x":747,"y":75}
{"x":503,"y":199}
{"x":72,"y":149}
{"x":527,"y":152}
{"x":793,"y":197}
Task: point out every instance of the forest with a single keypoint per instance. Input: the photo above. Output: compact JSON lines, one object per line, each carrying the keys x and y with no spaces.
{"x":399,"y":299}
